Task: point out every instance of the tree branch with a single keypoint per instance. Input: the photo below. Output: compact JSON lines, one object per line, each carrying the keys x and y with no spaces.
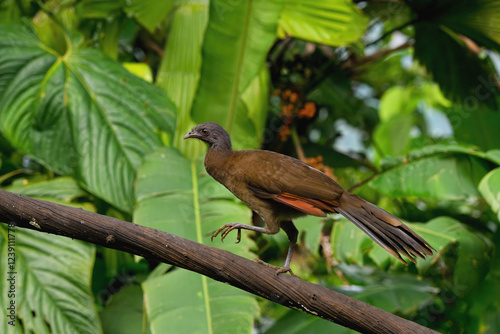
{"x":215,"y":263}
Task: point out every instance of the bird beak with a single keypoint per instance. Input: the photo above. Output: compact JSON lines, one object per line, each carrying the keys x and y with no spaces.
{"x":190,"y":134}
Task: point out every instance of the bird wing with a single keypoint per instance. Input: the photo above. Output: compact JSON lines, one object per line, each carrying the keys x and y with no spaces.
{"x":289,"y":181}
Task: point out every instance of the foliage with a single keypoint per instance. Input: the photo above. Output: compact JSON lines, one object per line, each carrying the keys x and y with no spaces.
{"x":396,"y":99}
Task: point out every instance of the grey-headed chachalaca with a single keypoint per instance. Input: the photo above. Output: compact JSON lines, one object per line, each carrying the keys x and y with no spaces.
{"x":279,"y":188}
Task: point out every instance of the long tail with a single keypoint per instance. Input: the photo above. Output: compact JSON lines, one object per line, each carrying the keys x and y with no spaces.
{"x":385,"y":229}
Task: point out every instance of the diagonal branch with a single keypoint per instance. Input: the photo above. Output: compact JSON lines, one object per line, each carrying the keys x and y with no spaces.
{"x":215,"y":263}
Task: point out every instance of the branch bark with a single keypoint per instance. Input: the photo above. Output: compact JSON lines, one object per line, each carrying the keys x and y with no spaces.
{"x":212,"y":262}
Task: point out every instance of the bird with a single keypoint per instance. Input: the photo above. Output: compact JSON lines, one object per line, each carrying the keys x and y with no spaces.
{"x":280,"y":188}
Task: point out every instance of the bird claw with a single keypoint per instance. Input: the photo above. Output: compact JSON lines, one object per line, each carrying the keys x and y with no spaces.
{"x":279,"y":270}
{"x":228,"y":228}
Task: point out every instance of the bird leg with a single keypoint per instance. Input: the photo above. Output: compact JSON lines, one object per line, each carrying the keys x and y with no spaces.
{"x":287,"y":226}
{"x":292,"y":233}
{"x":237,"y":226}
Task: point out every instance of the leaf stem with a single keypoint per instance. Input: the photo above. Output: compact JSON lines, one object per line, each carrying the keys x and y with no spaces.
{"x":296,"y":143}
{"x":10,"y":174}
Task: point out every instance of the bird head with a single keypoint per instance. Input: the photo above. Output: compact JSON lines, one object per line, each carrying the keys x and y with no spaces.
{"x":211,"y":133}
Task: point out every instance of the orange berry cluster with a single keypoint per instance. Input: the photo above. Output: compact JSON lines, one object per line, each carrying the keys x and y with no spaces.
{"x":292,"y":107}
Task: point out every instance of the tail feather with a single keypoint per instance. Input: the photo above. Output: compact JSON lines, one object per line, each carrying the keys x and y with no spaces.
{"x":385,"y":229}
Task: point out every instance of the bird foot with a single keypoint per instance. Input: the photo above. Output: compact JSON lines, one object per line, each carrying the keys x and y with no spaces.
{"x":228,"y":228}
{"x":279,"y":270}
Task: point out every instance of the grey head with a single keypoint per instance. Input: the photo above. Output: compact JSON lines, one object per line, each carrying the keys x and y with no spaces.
{"x":211,"y":133}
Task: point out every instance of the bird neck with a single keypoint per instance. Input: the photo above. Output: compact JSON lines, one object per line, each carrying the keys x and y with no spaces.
{"x":219,"y":149}
{"x":223,"y":145}
{"x":215,"y":161}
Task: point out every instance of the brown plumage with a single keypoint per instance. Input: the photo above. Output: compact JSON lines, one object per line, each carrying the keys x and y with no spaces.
{"x":279,"y":188}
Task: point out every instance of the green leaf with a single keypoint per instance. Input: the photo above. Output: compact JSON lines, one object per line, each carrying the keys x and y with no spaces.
{"x":309,"y":231}
{"x":51,"y":34}
{"x":483,"y":304}
{"x":149,"y":13}
{"x":61,"y":188}
{"x":477,"y":19}
{"x":141,"y":70}
{"x":397,"y":100}
{"x":336,"y":23}
{"x":51,"y":279}
{"x":476,"y":127}
{"x":256,"y":99}
{"x":296,"y":322}
{"x":468,"y":254}
{"x":463,"y":85}
{"x":80,"y":113}
{"x":444,"y":148}
{"x":179,"y":71}
{"x":483,"y":307}
{"x":349,"y":242}
{"x":494,"y":156}
{"x":12,"y":10}
{"x":124,"y":313}
{"x":175,"y":194}
{"x":99,"y":9}
{"x":216,"y":307}
{"x":438,"y":171}
{"x":399,"y":293}
{"x":490,"y":189}
{"x":433,"y":96}
{"x":393,"y":136}
{"x":110,"y":37}
{"x":238,"y":37}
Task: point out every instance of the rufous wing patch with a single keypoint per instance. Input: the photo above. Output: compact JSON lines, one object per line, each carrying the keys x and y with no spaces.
{"x":307,"y":205}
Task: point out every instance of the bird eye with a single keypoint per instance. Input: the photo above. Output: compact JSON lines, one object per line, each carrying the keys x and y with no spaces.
{"x":204,"y":131}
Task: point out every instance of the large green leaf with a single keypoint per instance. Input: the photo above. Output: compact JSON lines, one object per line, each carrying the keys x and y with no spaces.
{"x":393,"y":136}
{"x":398,"y":100}
{"x":256,"y":100}
{"x":62,"y":188}
{"x":439,"y":171}
{"x":349,"y":243}
{"x":397,"y":104}
{"x":238,"y":37}
{"x":476,"y":127}
{"x":52,"y":273}
{"x":79,"y":113}
{"x":179,"y":71}
{"x":124,"y":312}
{"x":173,"y":301}
{"x":476,"y":19}
{"x":175,"y":194}
{"x":467,"y":253}
{"x":464,"y":85}
{"x":52,"y":282}
{"x":445,"y":25}
{"x":490,"y":189}
{"x":330,"y":22}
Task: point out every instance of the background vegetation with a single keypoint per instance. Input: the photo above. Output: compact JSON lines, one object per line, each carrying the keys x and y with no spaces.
{"x":398,"y":99}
